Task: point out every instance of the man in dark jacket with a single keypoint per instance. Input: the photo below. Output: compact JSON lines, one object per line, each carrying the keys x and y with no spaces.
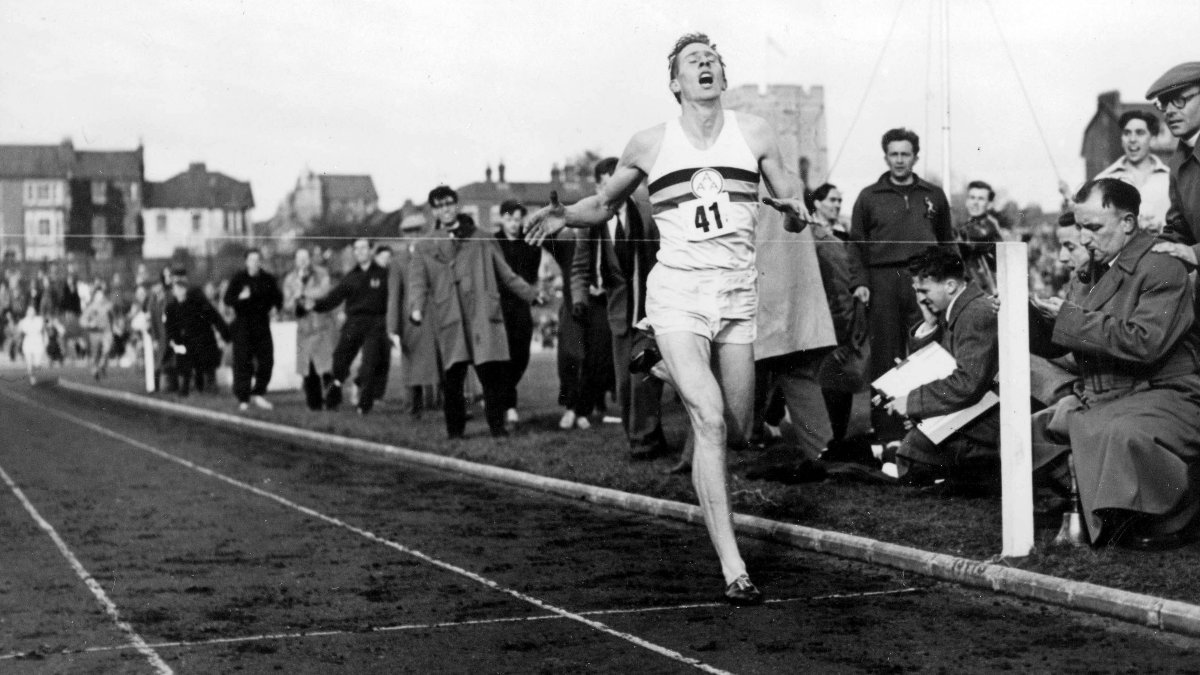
{"x":960,"y":317}
{"x":189,"y":323}
{"x":518,"y":319}
{"x":893,"y":220}
{"x":253,"y":293}
{"x":1131,"y":424}
{"x":365,"y":291}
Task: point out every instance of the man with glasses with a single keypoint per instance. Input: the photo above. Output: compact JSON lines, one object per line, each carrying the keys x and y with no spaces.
{"x":1178,"y":97}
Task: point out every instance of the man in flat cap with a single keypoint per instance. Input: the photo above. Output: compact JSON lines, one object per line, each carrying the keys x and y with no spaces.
{"x":1177,"y":95}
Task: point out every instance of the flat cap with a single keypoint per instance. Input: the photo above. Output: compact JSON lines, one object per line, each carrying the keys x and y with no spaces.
{"x":1176,"y":78}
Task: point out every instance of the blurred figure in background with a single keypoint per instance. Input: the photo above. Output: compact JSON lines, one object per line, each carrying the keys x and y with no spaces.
{"x":97,"y":320}
{"x":253,"y":293}
{"x":189,"y":323}
{"x":977,"y":237}
{"x":314,"y":330}
{"x":518,"y":318}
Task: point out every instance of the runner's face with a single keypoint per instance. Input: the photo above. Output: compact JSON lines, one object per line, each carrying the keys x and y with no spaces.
{"x":977,"y":202}
{"x":900,"y":159}
{"x":1135,"y":140}
{"x":698,"y":73}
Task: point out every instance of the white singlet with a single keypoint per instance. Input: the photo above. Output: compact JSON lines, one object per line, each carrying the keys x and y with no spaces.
{"x":705,"y":201}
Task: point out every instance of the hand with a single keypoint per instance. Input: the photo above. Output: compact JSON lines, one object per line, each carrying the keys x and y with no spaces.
{"x":415,"y":317}
{"x":898,"y":406}
{"x":798,"y":216}
{"x":863,"y":294}
{"x":540,"y":300}
{"x":1049,"y":308}
{"x":546,"y":221}
{"x":927,"y":314}
{"x":1181,"y":251}
{"x":245,"y":294}
{"x":395,"y":341}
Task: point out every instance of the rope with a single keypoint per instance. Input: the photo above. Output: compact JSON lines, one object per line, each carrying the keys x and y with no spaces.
{"x":867,"y":91}
{"x":1020,"y":81}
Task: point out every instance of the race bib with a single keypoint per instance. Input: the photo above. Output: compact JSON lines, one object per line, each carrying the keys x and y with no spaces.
{"x":706,"y":210}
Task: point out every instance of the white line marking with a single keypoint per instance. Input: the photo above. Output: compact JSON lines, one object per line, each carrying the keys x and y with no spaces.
{"x":645,"y":644}
{"x":456,"y":624}
{"x":135,"y":640}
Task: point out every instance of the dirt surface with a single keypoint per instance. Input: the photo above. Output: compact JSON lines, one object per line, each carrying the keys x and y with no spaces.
{"x":399,"y":569}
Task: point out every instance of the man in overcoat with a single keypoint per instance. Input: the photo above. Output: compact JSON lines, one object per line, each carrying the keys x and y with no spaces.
{"x":315,"y":332}
{"x":419,"y":371}
{"x":1131,"y":424}
{"x":460,"y":276}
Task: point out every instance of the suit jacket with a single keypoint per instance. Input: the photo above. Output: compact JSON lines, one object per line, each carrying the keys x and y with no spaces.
{"x":461,"y":277}
{"x":624,"y":266}
{"x":1183,"y":216}
{"x":969,"y":334}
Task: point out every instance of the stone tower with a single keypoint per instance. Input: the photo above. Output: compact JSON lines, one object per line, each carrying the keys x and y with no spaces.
{"x":798,"y":117}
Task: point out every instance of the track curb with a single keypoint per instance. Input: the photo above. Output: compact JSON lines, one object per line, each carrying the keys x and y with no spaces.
{"x":1160,"y":613}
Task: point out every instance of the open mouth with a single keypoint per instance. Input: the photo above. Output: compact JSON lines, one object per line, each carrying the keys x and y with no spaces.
{"x":706,"y":78}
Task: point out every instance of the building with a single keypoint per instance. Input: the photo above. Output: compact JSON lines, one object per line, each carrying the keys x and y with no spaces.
{"x":199,"y":211}
{"x":798,"y":117}
{"x":481,"y":200}
{"x":56,"y":200}
{"x":1102,"y":136}
{"x":321,"y":201}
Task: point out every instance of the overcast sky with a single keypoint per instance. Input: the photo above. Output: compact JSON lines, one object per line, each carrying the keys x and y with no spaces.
{"x":418,"y":93}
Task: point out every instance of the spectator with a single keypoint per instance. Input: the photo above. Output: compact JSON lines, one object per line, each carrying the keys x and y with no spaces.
{"x":420,"y":373}
{"x":314,"y":331}
{"x":31,"y":331}
{"x":978,"y":236}
{"x":518,"y":319}
{"x":959,"y":316}
{"x":97,"y":320}
{"x":612,"y":265}
{"x":156,"y":307}
{"x":190,"y":322}
{"x":893,"y":220}
{"x":580,"y":390}
{"x":1130,"y":427}
{"x":253,"y":293}
{"x":364,"y":290}
{"x":462,"y":274}
{"x":1178,"y":94}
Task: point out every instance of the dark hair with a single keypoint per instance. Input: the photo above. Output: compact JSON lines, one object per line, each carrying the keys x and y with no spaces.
{"x":902,"y":134}
{"x":604,"y":167}
{"x":683,"y":41}
{"x":441,"y":192}
{"x":1151,"y":120}
{"x":1113,"y":192}
{"x":381,"y":248}
{"x":980,"y":185}
{"x":252,"y":250}
{"x":937,"y":263}
{"x":512,"y":206}
{"x":818,"y":195}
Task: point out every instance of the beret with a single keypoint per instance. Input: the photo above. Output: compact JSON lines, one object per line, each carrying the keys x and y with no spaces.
{"x":1180,"y":76}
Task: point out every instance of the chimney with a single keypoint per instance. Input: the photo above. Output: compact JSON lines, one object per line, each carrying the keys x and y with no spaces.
{"x":487,"y":174}
{"x":501,"y":171}
{"x":555,"y":174}
{"x":197,"y":167}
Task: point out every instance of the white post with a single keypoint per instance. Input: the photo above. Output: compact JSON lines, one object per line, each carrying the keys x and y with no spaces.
{"x":1016,"y":438}
{"x":946,"y":185}
{"x":148,"y":357}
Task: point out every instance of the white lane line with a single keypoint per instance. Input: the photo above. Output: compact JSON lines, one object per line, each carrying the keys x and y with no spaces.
{"x":459,"y":624}
{"x":135,"y":640}
{"x":596,"y":625}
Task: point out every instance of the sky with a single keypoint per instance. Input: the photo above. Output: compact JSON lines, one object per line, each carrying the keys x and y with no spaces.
{"x":421,"y":93}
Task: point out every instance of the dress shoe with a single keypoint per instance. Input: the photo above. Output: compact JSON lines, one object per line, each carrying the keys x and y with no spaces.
{"x":333,"y":396}
{"x":644,"y":453}
{"x":1137,"y":541}
{"x":261,"y":403}
{"x":511,"y":416}
{"x":567,"y":421}
{"x":582,"y":423}
{"x":742,"y":593}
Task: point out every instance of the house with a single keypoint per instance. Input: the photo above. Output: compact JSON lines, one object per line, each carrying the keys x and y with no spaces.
{"x":55,"y":199}
{"x":1102,"y":136}
{"x":198,"y":210}
{"x":323,"y":201}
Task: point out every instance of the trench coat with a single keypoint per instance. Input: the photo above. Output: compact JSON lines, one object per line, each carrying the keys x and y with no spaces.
{"x":460,"y":280}
{"x":315,"y":331}
{"x":1132,"y":424}
{"x":418,"y":345}
{"x":793,"y":312}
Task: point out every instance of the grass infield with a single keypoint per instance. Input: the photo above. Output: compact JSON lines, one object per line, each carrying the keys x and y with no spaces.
{"x":965,"y":527}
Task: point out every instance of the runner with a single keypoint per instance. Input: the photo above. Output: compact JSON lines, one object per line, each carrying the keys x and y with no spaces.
{"x":703,"y":170}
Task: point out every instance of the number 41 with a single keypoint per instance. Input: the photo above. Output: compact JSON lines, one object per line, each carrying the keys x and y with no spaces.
{"x":702,"y":217}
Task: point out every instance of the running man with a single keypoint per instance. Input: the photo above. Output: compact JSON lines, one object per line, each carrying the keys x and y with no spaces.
{"x":703,"y":170}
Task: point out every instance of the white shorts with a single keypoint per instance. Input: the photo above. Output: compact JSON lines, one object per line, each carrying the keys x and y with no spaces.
{"x":716,"y":304}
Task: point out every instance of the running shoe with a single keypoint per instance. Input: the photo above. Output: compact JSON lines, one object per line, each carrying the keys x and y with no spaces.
{"x":742,"y":593}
